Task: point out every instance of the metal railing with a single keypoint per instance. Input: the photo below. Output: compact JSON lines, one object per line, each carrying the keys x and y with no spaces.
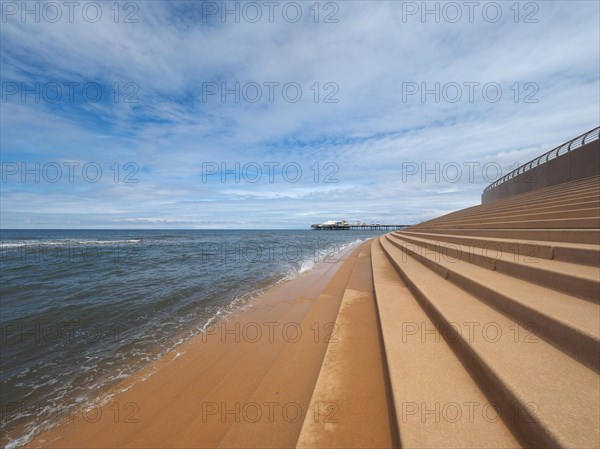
{"x":573,"y":144}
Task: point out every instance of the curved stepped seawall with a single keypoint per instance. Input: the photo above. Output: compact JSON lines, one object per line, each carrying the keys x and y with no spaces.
{"x":477,"y":329}
{"x":489,"y":320}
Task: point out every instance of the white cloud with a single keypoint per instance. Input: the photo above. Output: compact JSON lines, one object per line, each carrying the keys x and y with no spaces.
{"x":369,"y":133}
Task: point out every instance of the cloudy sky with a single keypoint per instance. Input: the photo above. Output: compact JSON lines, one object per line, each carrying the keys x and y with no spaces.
{"x":278,"y":115}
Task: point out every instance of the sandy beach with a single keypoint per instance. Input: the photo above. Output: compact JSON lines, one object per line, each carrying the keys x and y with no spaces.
{"x":248,"y":380}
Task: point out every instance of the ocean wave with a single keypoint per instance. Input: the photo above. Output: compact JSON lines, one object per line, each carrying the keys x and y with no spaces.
{"x":64,"y":242}
{"x":326,"y":255}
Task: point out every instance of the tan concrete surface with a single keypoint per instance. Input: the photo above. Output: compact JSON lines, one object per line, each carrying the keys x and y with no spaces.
{"x":571,"y":278}
{"x":434,"y":395}
{"x":513,"y":374}
{"x":350,"y":403}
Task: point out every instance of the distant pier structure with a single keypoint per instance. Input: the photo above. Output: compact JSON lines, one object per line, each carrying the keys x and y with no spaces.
{"x":347,"y":227}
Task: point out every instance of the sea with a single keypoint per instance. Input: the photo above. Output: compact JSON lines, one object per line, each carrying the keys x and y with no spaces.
{"x":80,"y":310}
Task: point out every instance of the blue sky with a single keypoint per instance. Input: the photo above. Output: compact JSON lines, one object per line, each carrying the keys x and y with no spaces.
{"x":368,"y":111}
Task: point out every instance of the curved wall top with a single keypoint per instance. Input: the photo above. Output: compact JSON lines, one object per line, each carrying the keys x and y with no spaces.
{"x":576,"y":159}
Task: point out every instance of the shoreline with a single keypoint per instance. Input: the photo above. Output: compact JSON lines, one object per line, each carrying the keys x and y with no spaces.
{"x":266,"y":325}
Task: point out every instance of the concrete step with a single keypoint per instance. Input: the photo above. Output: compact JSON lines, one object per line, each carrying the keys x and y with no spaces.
{"x":557,"y":210}
{"x":563,"y":195}
{"x":576,"y":236}
{"x":567,"y":322}
{"x":350,"y":397}
{"x":425,"y":375}
{"x":521,"y":378}
{"x":590,"y":222}
{"x":524,"y":215}
{"x":570,"y":278}
{"x":554,"y":207}
{"x":548,"y":195}
{"x":556,"y":191}
{"x":581,"y":253}
{"x":571,"y":202}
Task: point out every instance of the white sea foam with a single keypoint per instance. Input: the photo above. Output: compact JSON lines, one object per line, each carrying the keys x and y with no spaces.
{"x":64,"y":242}
{"x":322,"y":256}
